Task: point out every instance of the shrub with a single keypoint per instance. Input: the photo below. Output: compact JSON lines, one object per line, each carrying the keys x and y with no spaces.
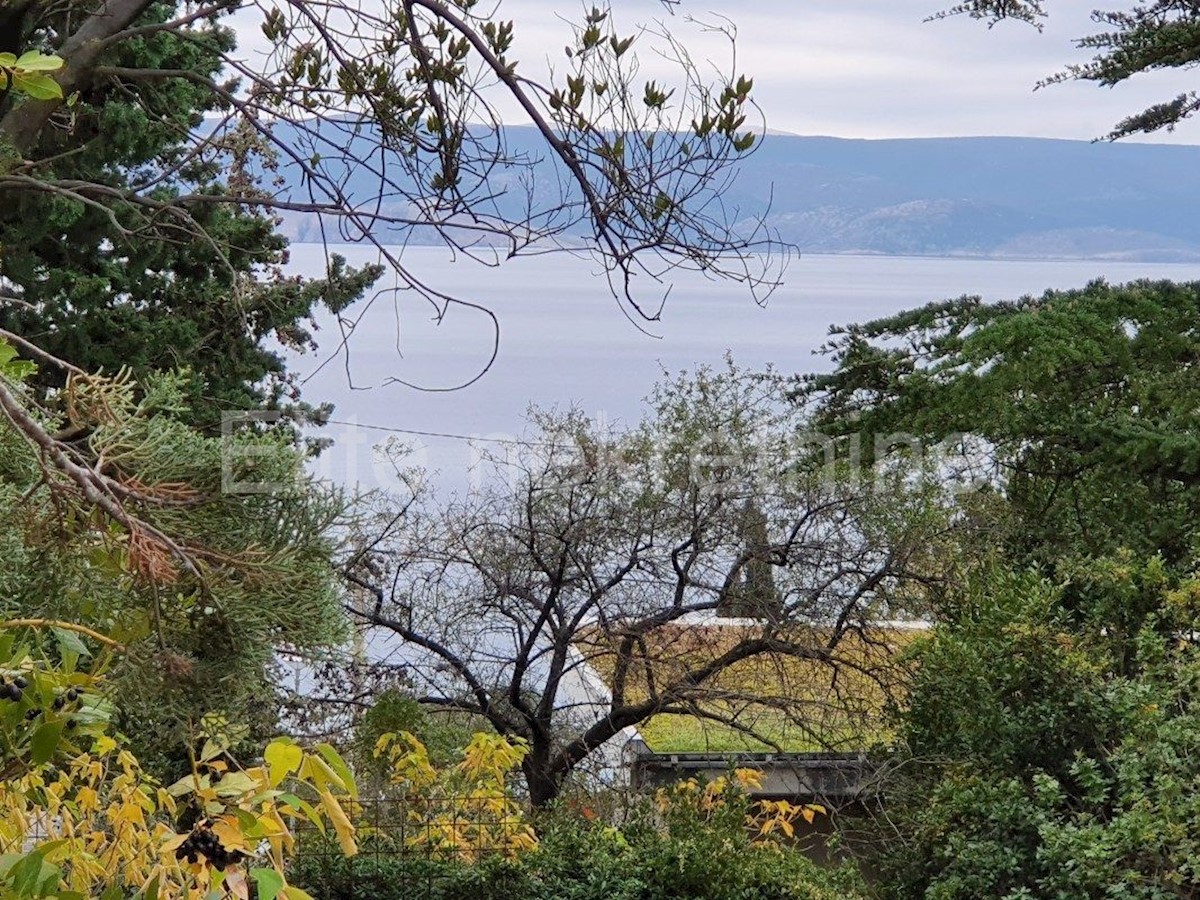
{"x":1063,"y":761}
{"x":691,"y":845}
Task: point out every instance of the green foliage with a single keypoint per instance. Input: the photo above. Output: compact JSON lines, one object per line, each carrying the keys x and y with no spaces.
{"x":50,"y":706}
{"x":1005,"y":683}
{"x":95,"y":288}
{"x":1086,"y":399}
{"x":196,"y":642}
{"x":692,"y":856}
{"x":1043,"y":762}
{"x":443,"y":734}
{"x":1149,"y":36}
{"x":27,"y":74}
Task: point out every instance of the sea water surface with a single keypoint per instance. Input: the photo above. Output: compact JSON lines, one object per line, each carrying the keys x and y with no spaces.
{"x":564,"y":340}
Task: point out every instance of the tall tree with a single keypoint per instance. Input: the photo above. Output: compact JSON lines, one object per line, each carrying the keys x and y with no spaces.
{"x":1042,"y":728}
{"x":615,"y":552}
{"x":90,"y":281}
{"x":143,"y":235}
{"x":1084,"y":401}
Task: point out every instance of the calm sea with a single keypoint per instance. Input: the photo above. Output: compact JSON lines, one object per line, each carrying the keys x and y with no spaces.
{"x":564,"y":340}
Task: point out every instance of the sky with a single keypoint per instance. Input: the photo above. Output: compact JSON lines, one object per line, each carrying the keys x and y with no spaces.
{"x":848,"y":68}
{"x":877,"y":69}
{"x":874,"y":68}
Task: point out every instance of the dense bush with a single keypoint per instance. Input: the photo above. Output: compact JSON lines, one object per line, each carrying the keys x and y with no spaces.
{"x":1047,"y":762}
{"x":653,"y":856}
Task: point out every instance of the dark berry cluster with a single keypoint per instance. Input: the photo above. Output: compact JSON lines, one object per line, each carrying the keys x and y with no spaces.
{"x":12,"y":690}
{"x":203,"y":842}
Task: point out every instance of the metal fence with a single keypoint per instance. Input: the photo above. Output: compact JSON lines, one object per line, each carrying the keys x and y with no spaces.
{"x":406,"y":851}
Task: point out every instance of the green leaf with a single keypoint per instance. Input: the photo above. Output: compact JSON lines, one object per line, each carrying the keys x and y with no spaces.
{"x":37,"y":86}
{"x":19,"y":370}
{"x":7,"y":352}
{"x":70,"y":642}
{"x":44,"y":742}
{"x":31,"y":873}
{"x":70,"y":647}
{"x":269,"y":882}
{"x":33,"y":61}
{"x":311,"y":814}
{"x":7,"y":60}
{"x":339,"y":765}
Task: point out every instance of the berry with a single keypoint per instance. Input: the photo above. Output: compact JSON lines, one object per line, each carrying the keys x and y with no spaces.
{"x":20,"y":682}
{"x":72,"y":695}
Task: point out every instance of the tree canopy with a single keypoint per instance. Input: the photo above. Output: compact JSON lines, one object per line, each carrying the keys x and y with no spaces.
{"x":91,"y":281}
{"x":1085,"y":400}
{"x":144,"y":185}
{"x":1041,"y":731}
{"x":615,"y":553}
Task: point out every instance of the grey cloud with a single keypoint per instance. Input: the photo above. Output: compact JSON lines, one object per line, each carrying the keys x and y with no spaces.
{"x":875,"y":68}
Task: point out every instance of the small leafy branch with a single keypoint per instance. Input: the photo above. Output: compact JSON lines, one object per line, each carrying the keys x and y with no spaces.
{"x":722,"y":796}
{"x":79,"y":818}
{"x":29,"y":74}
{"x":466,"y":810}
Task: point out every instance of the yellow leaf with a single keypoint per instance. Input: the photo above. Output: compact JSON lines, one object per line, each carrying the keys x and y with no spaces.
{"x":104,"y":745}
{"x":322,"y":775}
{"x":341,"y":823}
{"x":282,"y":760}
{"x":230,"y":832}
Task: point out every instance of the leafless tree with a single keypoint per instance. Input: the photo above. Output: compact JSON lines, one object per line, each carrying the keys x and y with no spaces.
{"x":613,"y":553}
{"x":381,"y":119}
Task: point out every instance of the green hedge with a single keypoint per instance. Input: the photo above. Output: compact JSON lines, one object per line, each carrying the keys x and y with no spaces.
{"x":578,"y":860}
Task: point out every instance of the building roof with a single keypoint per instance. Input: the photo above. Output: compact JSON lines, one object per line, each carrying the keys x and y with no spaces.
{"x":767,"y":703}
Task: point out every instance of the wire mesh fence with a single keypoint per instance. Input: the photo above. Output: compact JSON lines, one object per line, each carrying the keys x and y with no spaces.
{"x":407,"y":850}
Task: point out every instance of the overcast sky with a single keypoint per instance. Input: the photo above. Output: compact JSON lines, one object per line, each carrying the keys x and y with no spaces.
{"x":875,"y":68}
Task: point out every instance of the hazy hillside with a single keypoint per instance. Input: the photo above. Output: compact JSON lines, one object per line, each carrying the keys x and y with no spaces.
{"x":1023,"y":197}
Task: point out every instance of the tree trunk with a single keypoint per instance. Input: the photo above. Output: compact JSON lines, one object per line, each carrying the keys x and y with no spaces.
{"x":543,"y":782}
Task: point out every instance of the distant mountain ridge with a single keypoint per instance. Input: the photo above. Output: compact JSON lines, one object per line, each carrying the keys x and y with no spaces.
{"x":977,"y":196}
{"x":987,"y":196}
